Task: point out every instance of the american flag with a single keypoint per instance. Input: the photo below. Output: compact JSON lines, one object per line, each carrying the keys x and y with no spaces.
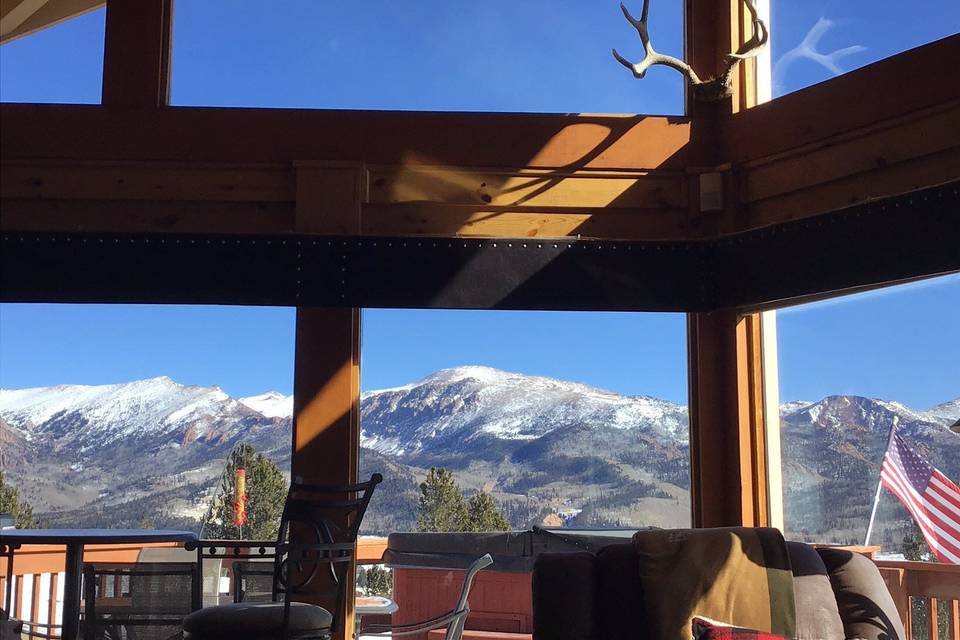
{"x":932,"y":499}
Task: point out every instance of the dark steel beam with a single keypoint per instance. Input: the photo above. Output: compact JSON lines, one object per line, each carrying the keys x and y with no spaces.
{"x":909,"y":236}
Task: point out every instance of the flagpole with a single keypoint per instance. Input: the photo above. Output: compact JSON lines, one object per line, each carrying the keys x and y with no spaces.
{"x":873,"y":514}
{"x":876,"y":498}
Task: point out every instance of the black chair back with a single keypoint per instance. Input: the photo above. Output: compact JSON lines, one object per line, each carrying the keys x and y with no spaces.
{"x":139,"y":601}
{"x":317,"y":536}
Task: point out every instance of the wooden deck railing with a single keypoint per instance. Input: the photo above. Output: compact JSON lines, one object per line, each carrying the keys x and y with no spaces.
{"x":935,"y":587}
{"x":37,"y":591}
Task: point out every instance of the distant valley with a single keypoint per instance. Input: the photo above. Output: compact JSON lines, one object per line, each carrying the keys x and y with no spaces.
{"x":550,"y":451}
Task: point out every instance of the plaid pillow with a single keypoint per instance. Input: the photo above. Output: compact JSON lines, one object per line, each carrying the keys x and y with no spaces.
{"x":707,"y":629}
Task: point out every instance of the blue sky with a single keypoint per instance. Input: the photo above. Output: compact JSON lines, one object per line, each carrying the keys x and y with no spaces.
{"x":498,"y":55}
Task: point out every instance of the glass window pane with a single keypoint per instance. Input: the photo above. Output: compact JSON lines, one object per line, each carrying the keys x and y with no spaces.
{"x":122,"y":416}
{"x":61,"y":64}
{"x":815,"y":41}
{"x":514,"y":419}
{"x":851,"y":370}
{"x":430,"y":55}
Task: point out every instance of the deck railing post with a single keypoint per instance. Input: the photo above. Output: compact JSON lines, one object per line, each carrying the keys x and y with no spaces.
{"x":933,"y":626}
{"x":52,"y":603}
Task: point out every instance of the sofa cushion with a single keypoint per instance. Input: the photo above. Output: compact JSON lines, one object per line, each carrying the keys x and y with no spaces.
{"x":863,"y":600}
{"x":254,"y":620}
{"x":564,"y":588}
{"x":818,"y":617}
{"x":620,"y":595}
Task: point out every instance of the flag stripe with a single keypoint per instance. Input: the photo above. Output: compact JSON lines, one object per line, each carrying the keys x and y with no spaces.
{"x":916,"y":504}
{"x":944,"y":502}
{"x":941,"y":543}
{"x":938,"y":548}
{"x":934,"y":514}
{"x":931,"y":497}
{"x":946,"y":488}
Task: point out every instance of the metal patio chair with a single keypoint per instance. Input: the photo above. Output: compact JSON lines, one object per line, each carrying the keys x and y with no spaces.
{"x":454,"y":620}
{"x":315,"y":564}
{"x":134,"y":601}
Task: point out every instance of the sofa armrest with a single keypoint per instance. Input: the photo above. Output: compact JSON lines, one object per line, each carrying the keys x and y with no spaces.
{"x":564,"y":596}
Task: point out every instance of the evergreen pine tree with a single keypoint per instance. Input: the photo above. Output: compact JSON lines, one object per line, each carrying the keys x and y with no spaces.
{"x":483,"y":514}
{"x":266,"y":493}
{"x":441,"y":507}
{"x":11,"y":503}
{"x":379,"y":581}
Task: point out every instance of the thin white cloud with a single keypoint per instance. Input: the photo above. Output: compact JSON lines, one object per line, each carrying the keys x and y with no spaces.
{"x":808,"y":49}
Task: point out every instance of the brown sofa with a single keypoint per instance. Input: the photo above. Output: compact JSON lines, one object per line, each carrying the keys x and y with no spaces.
{"x":587,"y":596}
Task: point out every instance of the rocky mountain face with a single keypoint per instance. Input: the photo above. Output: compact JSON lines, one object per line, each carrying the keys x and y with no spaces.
{"x":548,"y":450}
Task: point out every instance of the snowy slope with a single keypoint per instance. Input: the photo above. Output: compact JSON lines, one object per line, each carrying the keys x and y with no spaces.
{"x":272,"y":404}
{"x":452,"y":407}
{"x":86,"y":416}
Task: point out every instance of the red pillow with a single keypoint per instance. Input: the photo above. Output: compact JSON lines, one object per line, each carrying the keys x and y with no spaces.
{"x":706,"y":629}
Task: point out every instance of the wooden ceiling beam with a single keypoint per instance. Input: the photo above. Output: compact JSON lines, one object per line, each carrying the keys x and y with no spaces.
{"x":19,"y":18}
{"x":892,"y":88}
{"x":393,"y":200}
{"x":536,"y":141}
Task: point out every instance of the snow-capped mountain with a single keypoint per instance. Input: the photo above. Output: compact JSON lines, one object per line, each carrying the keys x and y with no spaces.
{"x":84,"y":416}
{"x":946,"y":413}
{"x":546,"y":448}
{"x":453,"y":408}
{"x":272,"y":404}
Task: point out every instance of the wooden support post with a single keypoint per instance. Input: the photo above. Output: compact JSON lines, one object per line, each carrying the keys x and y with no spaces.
{"x":326,"y":385}
{"x":727,"y":437}
{"x":136,"y":53}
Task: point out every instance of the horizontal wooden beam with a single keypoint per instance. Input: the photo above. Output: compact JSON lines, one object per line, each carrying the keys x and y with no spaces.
{"x":394,"y":200}
{"x":884,"y":160}
{"x":537,"y":141}
{"x":474,"y":221}
{"x":906,"y":83}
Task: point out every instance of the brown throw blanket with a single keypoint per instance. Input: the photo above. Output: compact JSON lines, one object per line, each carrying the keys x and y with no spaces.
{"x":735,"y":575}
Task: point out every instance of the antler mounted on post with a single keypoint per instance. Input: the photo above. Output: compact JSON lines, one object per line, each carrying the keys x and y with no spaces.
{"x":711,"y":89}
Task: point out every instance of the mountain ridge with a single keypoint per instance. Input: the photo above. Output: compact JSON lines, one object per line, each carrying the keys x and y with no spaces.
{"x":544,"y":447}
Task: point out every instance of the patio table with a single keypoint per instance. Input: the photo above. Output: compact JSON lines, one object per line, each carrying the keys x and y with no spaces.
{"x":74,"y":540}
